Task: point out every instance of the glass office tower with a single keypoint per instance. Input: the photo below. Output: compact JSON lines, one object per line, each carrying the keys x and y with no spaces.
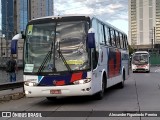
{"x":16,"y":14}
{"x":7,"y":9}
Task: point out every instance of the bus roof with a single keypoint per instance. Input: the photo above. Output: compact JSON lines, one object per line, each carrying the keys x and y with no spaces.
{"x":86,"y":15}
{"x":69,"y":15}
{"x":141,"y":52}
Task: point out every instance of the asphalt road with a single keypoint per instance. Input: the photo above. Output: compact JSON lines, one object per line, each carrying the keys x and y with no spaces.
{"x":141,"y":93}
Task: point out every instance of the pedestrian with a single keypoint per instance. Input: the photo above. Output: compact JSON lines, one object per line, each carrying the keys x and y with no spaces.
{"x":11,"y":68}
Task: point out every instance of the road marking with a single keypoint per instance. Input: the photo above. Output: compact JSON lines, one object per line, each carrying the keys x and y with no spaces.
{"x":158,"y":70}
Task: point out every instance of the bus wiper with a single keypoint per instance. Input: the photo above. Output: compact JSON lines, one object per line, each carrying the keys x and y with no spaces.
{"x":45,"y":61}
{"x":49,"y":54}
{"x":64,"y":60}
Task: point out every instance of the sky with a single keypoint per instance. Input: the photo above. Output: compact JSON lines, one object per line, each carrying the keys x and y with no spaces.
{"x":114,"y":12}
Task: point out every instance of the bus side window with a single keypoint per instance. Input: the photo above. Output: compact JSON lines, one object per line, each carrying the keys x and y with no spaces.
{"x":121,"y":40}
{"x":95,"y":26}
{"x":110,"y":37}
{"x":101,"y":34}
{"x":124,"y":42}
{"x":95,"y":54}
{"x":107,"y":35}
{"x":113,"y":37}
{"x":117,"y":39}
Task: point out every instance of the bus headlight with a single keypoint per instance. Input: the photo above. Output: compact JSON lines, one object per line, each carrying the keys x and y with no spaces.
{"x":30,"y":83}
{"x":134,"y":66}
{"x":82,"y":81}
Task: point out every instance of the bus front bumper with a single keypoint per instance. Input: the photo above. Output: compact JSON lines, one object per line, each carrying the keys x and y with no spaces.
{"x":140,"y":68}
{"x":55,"y":91}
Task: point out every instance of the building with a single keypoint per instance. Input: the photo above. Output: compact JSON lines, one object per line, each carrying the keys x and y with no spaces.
{"x":7,"y":9}
{"x":30,"y":9}
{"x":16,"y":14}
{"x":144,"y":23}
{"x":22,"y":14}
{"x":41,"y":8}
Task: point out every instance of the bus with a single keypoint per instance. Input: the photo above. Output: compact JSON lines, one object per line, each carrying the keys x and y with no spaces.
{"x":73,"y":56}
{"x":140,"y":61}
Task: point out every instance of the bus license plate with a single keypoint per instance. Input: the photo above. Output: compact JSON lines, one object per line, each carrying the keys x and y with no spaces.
{"x":140,"y":66}
{"x":55,"y":91}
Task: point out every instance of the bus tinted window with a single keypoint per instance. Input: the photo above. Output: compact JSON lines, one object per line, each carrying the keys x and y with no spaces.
{"x":107,"y":35}
{"x":101,"y":34}
{"x":117,"y":39}
{"x":95,"y":53}
{"x":113,"y":37}
{"x":126,"y":43}
{"x":95,"y":26}
{"x":121,"y":40}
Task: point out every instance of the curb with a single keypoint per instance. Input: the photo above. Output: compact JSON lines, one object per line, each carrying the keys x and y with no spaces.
{"x":14,"y":96}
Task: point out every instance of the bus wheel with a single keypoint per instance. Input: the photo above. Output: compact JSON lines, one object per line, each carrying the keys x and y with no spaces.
{"x":100,"y":95}
{"x":121,"y":84}
{"x":148,"y":71}
{"x":51,"y":98}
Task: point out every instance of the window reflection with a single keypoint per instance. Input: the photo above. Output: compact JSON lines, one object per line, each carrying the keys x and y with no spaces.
{"x":69,"y":38}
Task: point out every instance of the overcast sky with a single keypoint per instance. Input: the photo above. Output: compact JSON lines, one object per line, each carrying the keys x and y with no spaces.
{"x":112,"y":11}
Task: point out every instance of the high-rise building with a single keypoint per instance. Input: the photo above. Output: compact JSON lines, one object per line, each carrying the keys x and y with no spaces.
{"x":40,"y":8}
{"x":30,"y":9}
{"x":144,"y":22}
{"x":7,"y":8}
{"x":22,"y":14}
{"x":16,"y":14}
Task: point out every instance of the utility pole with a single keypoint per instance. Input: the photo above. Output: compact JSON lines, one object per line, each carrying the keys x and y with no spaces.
{"x":154,"y":35}
{"x":7,"y":29}
{"x":29,"y":9}
{"x":151,"y":34}
{"x":1,"y":47}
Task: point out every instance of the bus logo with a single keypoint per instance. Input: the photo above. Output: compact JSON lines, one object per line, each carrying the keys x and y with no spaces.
{"x":54,"y":82}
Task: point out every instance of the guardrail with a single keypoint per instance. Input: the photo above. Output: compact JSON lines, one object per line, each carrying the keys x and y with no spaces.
{"x":11,"y":85}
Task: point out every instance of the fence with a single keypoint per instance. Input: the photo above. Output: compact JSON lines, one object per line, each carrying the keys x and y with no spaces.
{"x":155,"y":58}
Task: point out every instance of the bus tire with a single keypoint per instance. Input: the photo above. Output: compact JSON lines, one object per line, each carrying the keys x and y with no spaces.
{"x":121,"y":84}
{"x":148,"y":71}
{"x":51,"y":98}
{"x":100,"y":95}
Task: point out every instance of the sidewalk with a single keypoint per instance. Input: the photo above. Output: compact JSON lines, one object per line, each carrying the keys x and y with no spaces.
{"x":6,"y":95}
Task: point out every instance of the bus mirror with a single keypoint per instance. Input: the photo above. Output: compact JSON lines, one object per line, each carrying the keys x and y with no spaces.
{"x":91,"y":38}
{"x":18,"y":36}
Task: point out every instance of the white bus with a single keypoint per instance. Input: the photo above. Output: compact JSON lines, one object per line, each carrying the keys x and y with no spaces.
{"x":73,"y":56}
{"x":140,"y":61}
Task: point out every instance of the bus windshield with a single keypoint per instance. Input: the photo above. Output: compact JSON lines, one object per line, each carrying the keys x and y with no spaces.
{"x":140,"y":59}
{"x":56,"y":47}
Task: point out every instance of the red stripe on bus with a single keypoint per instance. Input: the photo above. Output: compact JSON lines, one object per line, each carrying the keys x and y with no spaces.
{"x":118,"y":63}
{"x":60,"y":83}
{"x":76,"y":76}
{"x":111,"y":68}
